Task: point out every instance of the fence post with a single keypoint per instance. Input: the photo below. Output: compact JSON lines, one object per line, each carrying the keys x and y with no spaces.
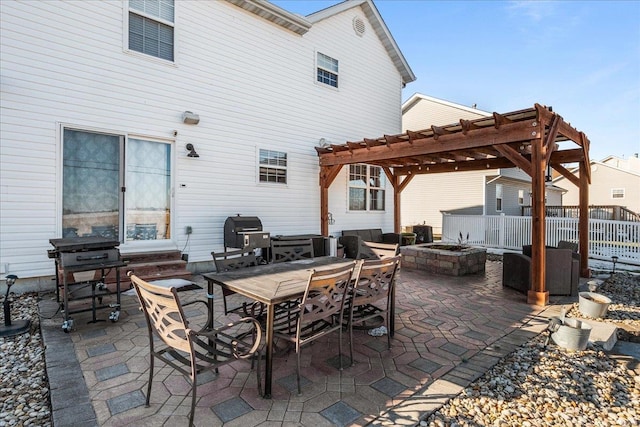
{"x":502,"y":231}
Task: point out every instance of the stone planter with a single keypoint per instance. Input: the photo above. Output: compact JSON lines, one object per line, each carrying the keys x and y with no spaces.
{"x":593,"y":305}
{"x":442,"y":258}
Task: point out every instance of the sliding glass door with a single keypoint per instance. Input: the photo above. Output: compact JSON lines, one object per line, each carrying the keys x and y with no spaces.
{"x":115,"y":187}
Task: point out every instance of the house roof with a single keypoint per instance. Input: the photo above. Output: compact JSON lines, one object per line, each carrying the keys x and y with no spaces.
{"x":602,"y":163}
{"x":499,"y":141}
{"x":417,"y":97}
{"x":301,"y":25}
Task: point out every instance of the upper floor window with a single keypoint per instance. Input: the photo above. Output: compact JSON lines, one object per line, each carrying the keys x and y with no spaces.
{"x":327,"y":70}
{"x":151,"y":27}
{"x":366,"y":188}
{"x":273,"y":166}
{"x":521,"y":197}
{"x":499,"y":197}
{"x":617,"y":193}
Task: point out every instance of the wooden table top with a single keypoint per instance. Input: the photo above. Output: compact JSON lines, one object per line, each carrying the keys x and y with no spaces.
{"x":274,"y":283}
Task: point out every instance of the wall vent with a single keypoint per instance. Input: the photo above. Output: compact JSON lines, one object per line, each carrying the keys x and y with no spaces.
{"x":359,"y":26}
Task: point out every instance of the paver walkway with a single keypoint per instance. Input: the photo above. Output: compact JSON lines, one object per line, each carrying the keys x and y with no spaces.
{"x":449,"y":331}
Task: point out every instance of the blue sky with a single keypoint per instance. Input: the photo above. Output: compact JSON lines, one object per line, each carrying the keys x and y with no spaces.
{"x":580,"y":57}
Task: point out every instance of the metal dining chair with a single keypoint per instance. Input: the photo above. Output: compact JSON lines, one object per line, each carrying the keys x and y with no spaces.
{"x":374,"y":250}
{"x":320,"y":311}
{"x":372,"y":295}
{"x":291,"y":250}
{"x":190,"y":351}
{"x":234,"y":260}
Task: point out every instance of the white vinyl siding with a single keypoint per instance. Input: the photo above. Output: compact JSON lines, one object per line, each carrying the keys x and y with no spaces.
{"x":95,"y":86}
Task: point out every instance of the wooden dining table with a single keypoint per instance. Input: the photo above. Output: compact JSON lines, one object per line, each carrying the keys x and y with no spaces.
{"x":270,"y":284}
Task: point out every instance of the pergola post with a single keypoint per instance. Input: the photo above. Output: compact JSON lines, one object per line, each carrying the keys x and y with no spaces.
{"x":538,"y":294}
{"x":583,"y":221}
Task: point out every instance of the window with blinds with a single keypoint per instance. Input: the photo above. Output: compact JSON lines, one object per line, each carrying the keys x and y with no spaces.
{"x":151,"y":27}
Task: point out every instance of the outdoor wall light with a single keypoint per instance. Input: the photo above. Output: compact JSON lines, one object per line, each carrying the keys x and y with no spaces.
{"x":192,"y":151}
{"x":330,"y":219}
{"x":190,"y":118}
{"x":614,"y":259}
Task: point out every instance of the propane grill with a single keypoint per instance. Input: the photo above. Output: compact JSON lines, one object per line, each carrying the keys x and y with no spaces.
{"x":245,"y":232}
{"x":86,"y":254}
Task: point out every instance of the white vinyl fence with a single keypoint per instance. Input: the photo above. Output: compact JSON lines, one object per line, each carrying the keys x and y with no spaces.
{"x":606,"y":238}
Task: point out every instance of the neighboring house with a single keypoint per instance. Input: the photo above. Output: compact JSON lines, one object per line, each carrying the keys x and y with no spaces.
{"x":490,"y":192}
{"x":614,"y":182}
{"x":100,"y":101}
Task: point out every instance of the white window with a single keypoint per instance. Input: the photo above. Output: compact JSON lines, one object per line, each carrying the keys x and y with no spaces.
{"x":499,"y":197}
{"x":617,"y":193}
{"x":327,"y":70}
{"x":366,"y":188}
{"x":521,"y":197}
{"x":151,"y":27}
{"x":273,"y":166}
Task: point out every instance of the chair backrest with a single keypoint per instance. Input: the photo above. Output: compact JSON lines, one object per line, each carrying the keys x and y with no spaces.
{"x":326,"y":293}
{"x":233,"y":260}
{"x":563,"y":244}
{"x":373,"y":250}
{"x":291,"y":250}
{"x":164,"y":315}
{"x":375,"y":280}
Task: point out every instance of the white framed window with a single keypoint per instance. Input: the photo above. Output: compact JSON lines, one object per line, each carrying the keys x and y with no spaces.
{"x":617,"y":193}
{"x":327,"y":70}
{"x":521,"y":197}
{"x":366,"y":188}
{"x":152,"y":28}
{"x":273,"y":166}
{"x":499,"y":197}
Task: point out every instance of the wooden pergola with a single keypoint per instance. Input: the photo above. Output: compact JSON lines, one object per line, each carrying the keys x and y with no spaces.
{"x":528,"y":139}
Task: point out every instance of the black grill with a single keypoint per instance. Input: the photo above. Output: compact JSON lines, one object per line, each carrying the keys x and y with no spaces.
{"x":245,"y":232}
{"x":85,"y":254}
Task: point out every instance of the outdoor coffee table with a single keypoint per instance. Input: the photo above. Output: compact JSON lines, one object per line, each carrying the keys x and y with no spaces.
{"x":270,"y":284}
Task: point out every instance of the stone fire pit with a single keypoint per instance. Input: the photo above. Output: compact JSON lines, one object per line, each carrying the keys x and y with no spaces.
{"x":444,"y":258}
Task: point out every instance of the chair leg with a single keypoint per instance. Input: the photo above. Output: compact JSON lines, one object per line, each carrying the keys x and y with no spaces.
{"x":194,"y":385}
{"x":298,"y":349}
{"x":388,"y":331}
{"x":351,"y":342}
{"x":340,"y":346}
{"x":150,"y":379}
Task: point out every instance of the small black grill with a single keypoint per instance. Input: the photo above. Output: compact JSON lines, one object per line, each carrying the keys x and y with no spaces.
{"x":85,"y":254}
{"x":245,"y":232}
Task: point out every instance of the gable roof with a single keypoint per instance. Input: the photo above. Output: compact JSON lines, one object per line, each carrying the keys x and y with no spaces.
{"x":417,"y":97}
{"x":576,"y":169}
{"x":378,"y":25}
{"x":301,"y":25}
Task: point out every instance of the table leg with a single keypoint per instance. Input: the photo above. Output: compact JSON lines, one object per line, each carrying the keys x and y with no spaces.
{"x":269,"y":351}
{"x":392,"y":315}
{"x":210,"y":304}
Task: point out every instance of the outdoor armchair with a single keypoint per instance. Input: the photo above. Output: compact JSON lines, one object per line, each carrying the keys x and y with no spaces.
{"x":234,"y":260}
{"x":319,"y":313}
{"x":189,"y":351}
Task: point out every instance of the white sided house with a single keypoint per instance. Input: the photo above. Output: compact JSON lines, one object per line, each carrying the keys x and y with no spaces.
{"x":146,"y":119}
{"x":490,"y":192}
{"x":614,"y":182}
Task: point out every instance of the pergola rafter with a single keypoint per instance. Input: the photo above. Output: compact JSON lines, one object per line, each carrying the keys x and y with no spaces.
{"x":528,"y":139}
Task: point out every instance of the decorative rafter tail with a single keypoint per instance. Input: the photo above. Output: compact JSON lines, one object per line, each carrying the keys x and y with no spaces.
{"x":413,"y":136}
{"x":500,"y":120}
{"x":467,"y":125}
{"x":438,"y":131}
{"x":352,"y":146}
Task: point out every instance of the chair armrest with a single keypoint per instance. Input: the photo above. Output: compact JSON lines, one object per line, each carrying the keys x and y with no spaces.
{"x":516,"y":271}
{"x":233,"y":341}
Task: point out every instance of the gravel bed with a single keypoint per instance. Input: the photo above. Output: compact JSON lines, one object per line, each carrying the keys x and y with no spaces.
{"x":545,"y":385}
{"x":24,"y":388}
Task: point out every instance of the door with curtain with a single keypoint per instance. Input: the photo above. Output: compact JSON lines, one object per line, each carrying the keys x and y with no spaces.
{"x":115,"y":187}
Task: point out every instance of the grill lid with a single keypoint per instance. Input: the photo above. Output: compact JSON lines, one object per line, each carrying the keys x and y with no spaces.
{"x":239,"y":224}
